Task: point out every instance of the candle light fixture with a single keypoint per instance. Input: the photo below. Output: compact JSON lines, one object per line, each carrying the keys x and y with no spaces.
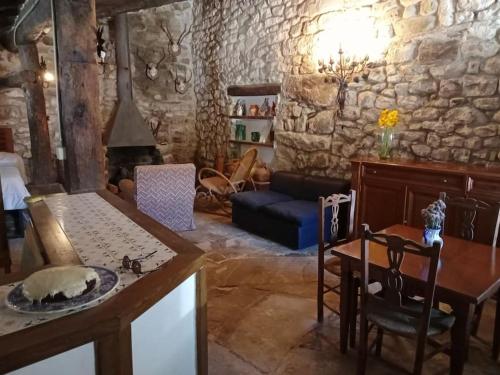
{"x":342,"y":71}
{"x":45,"y":74}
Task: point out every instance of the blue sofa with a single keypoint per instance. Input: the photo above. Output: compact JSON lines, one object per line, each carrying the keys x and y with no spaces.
{"x":288,"y":212}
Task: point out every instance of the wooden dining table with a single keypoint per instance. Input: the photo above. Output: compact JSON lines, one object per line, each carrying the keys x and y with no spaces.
{"x":468,"y":274}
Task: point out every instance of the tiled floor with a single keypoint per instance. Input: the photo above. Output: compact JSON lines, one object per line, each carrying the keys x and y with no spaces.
{"x":262,"y":308}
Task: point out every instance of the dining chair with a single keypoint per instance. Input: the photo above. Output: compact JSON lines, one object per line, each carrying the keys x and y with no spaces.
{"x":390,"y":310}
{"x":468,"y":210}
{"x":330,"y":215}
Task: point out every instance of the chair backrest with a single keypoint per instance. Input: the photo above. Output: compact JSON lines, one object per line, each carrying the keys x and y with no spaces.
{"x":393,"y":282}
{"x":242,"y":172}
{"x":469,"y":209}
{"x":332,"y":205}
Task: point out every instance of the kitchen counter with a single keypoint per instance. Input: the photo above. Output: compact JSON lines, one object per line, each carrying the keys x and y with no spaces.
{"x":150,"y":324}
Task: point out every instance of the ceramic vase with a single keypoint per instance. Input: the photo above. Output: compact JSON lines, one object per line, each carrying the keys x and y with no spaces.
{"x":432,"y":235}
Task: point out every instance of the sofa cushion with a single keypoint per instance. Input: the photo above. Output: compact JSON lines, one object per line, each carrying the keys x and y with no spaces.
{"x":256,"y":199}
{"x":315,"y":187}
{"x":297,"y":211}
{"x":288,"y":183}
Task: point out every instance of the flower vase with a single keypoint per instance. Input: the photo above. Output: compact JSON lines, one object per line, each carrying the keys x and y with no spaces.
{"x":432,"y":235}
{"x":386,"y":138}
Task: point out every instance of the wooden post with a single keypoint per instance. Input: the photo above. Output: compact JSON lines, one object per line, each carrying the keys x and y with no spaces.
{"x":78,"y":91}
{"x":42,"y":162}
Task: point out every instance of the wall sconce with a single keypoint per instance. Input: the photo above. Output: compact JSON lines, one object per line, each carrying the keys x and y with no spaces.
{"x":45,"y":74}
{"x":342,"y":71}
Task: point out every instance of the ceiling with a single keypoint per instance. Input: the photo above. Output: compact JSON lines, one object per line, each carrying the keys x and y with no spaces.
{"x":8,"y":12}
{"x":9,"y":9}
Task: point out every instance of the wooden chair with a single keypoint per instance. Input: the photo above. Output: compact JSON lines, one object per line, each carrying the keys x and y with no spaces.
{"x":328,"y":239}
{"x":468,"y":211}
{"x":389,"y":310}
{"x":219,"y":186}
{"x":5,"y":261}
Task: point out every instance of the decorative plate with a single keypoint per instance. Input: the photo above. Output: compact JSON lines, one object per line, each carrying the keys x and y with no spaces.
{"x":17,"y":301}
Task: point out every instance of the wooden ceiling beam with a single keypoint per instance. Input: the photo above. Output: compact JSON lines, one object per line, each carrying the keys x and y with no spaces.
{"x":109,"y":8}
{"x":36,"y":17}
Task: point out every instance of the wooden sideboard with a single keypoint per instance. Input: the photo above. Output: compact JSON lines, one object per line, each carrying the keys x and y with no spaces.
{"x":394,"y":191}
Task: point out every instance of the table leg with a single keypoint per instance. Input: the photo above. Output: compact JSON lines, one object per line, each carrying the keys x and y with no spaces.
{"x":114,"y":353}
{"x":496,"y":333}
{"x":460,"y":334}
{"x":345,"y":299}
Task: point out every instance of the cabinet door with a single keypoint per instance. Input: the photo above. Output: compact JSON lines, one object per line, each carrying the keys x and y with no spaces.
{"x":418,"y":198}
{"x":382,"y":203}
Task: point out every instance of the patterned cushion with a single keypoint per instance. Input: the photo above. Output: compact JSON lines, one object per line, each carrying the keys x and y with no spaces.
{"x":166,"y":193}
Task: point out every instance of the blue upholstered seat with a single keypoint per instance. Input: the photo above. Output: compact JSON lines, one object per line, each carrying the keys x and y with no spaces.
{"x":299,"y":212}
{"x":257,"y":199}
{"x":288,"y":212}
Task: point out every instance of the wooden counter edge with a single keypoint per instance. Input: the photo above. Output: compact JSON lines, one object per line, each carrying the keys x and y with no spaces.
{"x":105,"y":321}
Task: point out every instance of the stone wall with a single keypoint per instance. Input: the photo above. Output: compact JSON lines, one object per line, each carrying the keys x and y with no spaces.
{"x":13,"y":105}
{"x":440,"y":68}
{"x":158,"y":100}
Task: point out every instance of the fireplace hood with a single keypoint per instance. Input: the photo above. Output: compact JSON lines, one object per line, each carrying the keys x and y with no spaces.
{"x":127,"y":129}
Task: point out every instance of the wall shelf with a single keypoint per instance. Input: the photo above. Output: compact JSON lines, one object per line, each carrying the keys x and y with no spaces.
{"x":253,"y":95}
{"x":252,"y":117}
{"x":252,"y":143}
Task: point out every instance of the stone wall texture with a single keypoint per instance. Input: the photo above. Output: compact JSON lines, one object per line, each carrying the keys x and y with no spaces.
{"x":13,"y":105}
{"x":157,"y":99}
{"x":440,"y":68}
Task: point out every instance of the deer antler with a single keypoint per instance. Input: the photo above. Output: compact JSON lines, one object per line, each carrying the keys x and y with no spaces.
{"x":184,"y":33}
{"x":167,"y":31}
{"x":164,"y":56}
{"x":187,"y":80}
{"x":140,"y":57}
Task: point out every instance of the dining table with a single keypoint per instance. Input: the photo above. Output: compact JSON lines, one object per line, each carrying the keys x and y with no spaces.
{"x":468,"y":275}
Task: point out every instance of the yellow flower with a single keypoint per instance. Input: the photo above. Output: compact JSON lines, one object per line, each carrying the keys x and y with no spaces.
{"x":388,"y":119}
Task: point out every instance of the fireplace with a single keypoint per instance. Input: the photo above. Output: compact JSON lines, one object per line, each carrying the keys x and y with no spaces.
{"x":123,"y":160}
{"x":130,"y":142}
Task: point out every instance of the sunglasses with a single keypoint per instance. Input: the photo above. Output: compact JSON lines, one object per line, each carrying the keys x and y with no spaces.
{"x":135,"y":264}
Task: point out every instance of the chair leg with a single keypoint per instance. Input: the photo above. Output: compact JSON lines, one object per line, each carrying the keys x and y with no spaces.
{"x":496,"y":332}
{"x":362,"y":347}
{"x":477,"y":319}
{"x":354,"y":313}
{"x":380,"y":338}
{"x":419,"y":357}
{"x":320,"y":299}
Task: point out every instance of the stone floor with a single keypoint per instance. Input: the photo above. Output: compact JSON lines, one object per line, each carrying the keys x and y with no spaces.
{"x":262,"y":306}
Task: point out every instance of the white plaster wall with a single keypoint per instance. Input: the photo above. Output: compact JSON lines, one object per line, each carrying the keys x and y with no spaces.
{"x":164,"y":337}
{"x":78,"y":361}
